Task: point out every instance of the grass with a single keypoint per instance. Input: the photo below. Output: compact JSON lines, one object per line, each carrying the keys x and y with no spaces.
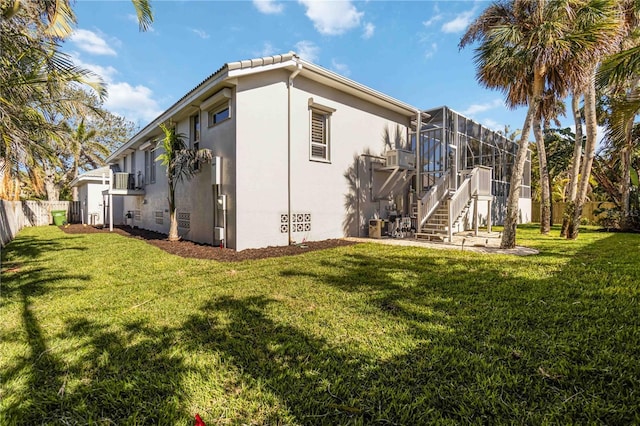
{"x":102,"y":329}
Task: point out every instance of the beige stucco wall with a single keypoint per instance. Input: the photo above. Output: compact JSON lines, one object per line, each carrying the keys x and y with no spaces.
{"x":317,"y":188}
{"x":91,"y":201}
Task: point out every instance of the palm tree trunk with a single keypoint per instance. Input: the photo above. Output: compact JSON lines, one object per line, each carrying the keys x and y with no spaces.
{"x":50,"y":188}
{"x":589,"y":153}
{"x":545,"y":204}
{"x":173,"y":217}
{"x":574,"y":171}
{"x":74,"y":190}
{"x":511,"y":219}
{"x":625,"y":164}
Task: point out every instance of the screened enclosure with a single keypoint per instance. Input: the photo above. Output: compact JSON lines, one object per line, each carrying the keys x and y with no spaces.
{"x":452,"y":143}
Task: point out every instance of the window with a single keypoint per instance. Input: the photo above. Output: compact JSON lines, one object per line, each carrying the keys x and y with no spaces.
{"x":195,"y":135}
{"x":152,"y":155}
{"x":219,"y":114}
{"x":133,"y":162}
{"x":150,"y":166}
{"x":319,"y":136}
{"x":320,"y":131}
{"x":195,"y":130}
{"x":218,"y":107}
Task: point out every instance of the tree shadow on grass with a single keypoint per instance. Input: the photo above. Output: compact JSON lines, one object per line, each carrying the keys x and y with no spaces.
{"x":320,"y":382}
{"x":33,"y":249}
{"x":92,"y":373}
{"x":486,"y":346}
{"x":107,"y":376}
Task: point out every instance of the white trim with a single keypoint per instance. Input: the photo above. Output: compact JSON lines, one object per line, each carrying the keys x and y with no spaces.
{"x":215,"y":99}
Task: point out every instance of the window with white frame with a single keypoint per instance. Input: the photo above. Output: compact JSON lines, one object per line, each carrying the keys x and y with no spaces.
{"x":150,"y":166}
{"x":219,"y":114}
{"x":320,"y":132}
{"x":218,"y":107}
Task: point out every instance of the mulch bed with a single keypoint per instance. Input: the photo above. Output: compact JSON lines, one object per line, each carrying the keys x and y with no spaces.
{"x":190,"y":249}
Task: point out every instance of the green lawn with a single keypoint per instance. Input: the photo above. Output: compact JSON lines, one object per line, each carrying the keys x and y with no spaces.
{"x":103,"y":329}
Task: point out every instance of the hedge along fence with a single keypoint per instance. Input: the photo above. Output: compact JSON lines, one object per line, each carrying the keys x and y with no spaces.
{"x":558,"y":209}
{"x":15,"y":215}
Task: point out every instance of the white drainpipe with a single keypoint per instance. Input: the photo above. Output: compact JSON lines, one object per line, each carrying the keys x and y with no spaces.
{"x":289,"y":85}
{"x":418,"y":170}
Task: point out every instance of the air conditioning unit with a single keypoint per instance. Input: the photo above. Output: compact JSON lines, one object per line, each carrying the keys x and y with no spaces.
{"x":400,"y":158}
{"x":121,"y":180}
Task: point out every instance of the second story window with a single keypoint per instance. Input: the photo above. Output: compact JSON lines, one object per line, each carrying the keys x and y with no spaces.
{"x":195,"y":131}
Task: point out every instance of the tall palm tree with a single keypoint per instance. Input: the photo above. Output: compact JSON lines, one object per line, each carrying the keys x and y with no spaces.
{"x":619,"y":77}
{"x":180,"y":163}
{"x":574,"y":169}
{"x":529,"y":48}
{"x":34,"y":73}
{"x":627,"y":14}
{"x":84,"y":150}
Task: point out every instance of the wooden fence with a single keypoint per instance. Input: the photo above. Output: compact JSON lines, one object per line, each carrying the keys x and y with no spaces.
{"x":557,"y":211}
{"x":15,"y":215}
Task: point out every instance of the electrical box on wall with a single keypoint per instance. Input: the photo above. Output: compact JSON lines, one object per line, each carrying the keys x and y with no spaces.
{"x":216,"y":171}
{"x":218,"y":233}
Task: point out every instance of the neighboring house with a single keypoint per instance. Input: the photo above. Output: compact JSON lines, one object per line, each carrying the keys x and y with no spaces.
{"x":93,"y":204}
{"x":300,"y":156}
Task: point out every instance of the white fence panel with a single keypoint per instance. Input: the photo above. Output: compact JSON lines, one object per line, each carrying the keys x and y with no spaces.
{"x":15,"y":215}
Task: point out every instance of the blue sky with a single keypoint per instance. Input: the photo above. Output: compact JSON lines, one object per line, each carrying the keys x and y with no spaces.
{"x":406,"y":49}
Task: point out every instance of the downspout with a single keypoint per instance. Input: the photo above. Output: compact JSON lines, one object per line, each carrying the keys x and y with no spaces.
{"x":293,"y":75}
{"x":418,"y":170}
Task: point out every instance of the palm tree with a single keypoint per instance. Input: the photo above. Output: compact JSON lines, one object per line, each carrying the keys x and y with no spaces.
{"x":574,"y":169}
{"x":529,"y":48}
{"x":33,"y":75}
{"x":84,"y":150}
{"x":625,"y":26}
{"x":619,"y":78}
{"x":181,"y":163}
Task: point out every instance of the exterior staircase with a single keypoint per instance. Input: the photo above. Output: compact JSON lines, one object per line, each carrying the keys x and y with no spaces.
{"x":441,"y":208}
{"x":436,"y":228}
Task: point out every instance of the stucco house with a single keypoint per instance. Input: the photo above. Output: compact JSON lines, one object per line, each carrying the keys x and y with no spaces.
{"x":302,"y":153}
{"x":93,"y":203}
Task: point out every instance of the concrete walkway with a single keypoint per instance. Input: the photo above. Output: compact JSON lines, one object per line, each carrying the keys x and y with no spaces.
{"x":485,"y":242}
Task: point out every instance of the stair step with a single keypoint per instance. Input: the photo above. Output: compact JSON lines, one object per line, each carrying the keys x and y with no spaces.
{"x":433,"y":231}
{"x":429,"y":237}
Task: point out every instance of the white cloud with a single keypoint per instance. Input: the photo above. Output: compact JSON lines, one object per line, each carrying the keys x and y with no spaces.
{"x":200,"y":33}
{"x":340,"y":68}
{"x":268,"y":7}
{"x":332,"y":17}
{"x":133,"y":102}
{"x":492,"y":124}
{"x":459,"y":23}
{"x":369,"y":29}
{"x":307,"y":50}
{"x":431,"y":50}
{"x":267,"y":50}
{"x":136,"y":103}
{"x":432,"y":20}
{"x":91,"y":42}
{"x":478,"y":108}
{"x":106,"y":73}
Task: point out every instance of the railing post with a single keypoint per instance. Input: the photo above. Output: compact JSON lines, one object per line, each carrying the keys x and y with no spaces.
{"x":450,"y":222}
